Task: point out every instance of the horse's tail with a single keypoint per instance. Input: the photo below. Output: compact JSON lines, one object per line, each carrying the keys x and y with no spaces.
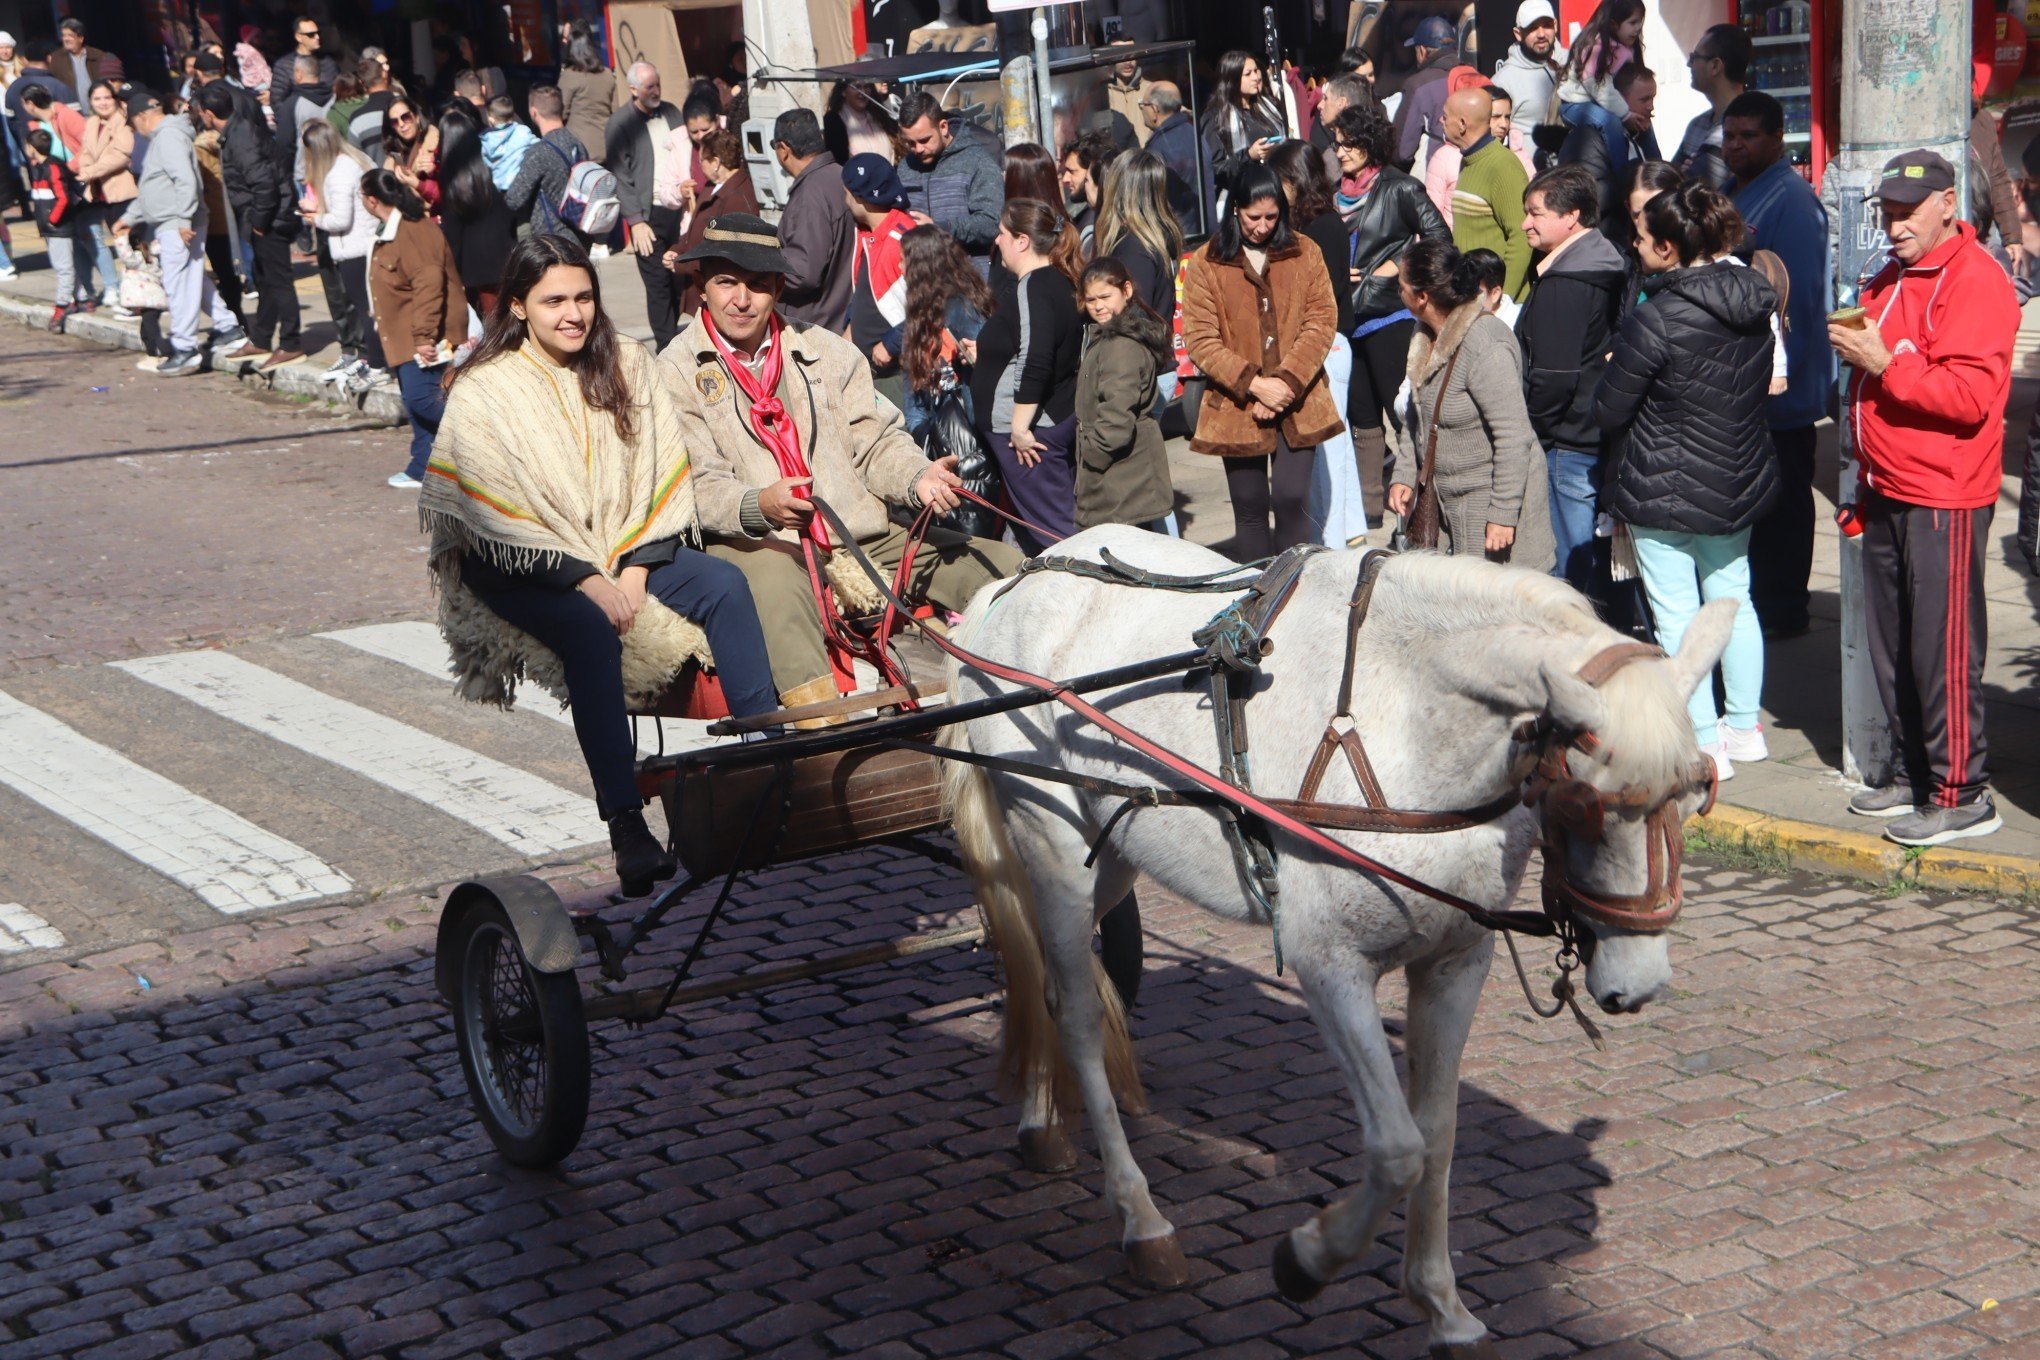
{"x":1031,"y":1054}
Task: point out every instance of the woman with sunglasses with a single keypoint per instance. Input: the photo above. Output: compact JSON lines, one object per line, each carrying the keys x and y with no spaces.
{"x":411,"y":151}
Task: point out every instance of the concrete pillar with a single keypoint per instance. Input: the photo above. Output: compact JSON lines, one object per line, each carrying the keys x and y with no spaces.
{"x":783,"y":30}
{"x":1904,"y":84}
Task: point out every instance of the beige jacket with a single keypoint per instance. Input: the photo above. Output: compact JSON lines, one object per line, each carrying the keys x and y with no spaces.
{"x":855,"y":441}
{"x":1124,"y":100}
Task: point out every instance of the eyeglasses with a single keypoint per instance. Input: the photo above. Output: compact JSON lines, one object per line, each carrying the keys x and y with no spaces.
{"x":402,"y":118}
{"x":1699,"y":57}
{"x":308,"y":33}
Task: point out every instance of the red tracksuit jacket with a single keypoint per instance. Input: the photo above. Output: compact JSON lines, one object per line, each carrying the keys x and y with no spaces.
{"x":1930,"y":429}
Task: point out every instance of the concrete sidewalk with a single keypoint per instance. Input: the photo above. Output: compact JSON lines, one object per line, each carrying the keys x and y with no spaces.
{"x":1793,"y":806}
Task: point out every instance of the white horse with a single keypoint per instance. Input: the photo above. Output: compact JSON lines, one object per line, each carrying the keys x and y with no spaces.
{"x":1456,"y":663}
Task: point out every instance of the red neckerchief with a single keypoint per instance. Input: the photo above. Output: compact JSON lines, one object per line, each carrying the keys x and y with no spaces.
{"x":768,"y":417}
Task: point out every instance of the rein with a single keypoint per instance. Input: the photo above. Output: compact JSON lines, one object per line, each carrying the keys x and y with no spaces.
{"x":1235,"y":641}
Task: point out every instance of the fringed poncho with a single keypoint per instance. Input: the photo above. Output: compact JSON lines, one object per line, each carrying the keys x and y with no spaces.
{"x":525,"y":473}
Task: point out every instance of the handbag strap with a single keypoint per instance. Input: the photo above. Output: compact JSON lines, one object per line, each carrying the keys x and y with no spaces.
{"x":1430,"y":463}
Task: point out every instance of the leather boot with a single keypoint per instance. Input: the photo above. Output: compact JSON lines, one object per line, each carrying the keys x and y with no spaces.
{"x":1370,"y":447}
{"x":640,"y":860}
{"x":816,"y":691}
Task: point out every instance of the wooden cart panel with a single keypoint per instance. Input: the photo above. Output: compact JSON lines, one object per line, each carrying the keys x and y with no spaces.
{"x":836,"y":801}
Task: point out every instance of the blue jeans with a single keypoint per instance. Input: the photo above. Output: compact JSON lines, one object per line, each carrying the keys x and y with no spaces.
{"x":99,"y":257}
{"x":424,"y":403}
{"x":1613,"y":135}
{"x":1338,"y":512}
{"x":1680,"y":571}
{"x":694,"y":585}
{"x":1572,"y":514}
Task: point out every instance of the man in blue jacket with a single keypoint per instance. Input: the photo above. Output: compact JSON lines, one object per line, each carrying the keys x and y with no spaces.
{"x":1784,"y":217}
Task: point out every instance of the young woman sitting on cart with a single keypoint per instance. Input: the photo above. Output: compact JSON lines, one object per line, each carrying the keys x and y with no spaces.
{"x":560,"y":502}
{"x":774,"y":410}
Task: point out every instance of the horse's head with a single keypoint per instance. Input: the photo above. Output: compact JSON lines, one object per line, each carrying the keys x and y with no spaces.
{"x":1615,"y":786}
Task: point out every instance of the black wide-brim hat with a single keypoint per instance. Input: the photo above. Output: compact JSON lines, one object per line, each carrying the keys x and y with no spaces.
{"x":746,"y":241}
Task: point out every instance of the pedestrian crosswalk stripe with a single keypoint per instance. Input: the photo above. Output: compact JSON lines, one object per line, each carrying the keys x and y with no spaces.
{"x":419,"y":646}
{"x":21,"y":929}
{"x":231,"y":863}
{"x":517,"y":808}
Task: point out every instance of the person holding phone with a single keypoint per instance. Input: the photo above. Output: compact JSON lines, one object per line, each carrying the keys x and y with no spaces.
{"x":1245,"y":120}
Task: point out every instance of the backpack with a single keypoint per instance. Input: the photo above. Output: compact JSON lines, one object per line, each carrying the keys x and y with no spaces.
{"x":589,"y":203}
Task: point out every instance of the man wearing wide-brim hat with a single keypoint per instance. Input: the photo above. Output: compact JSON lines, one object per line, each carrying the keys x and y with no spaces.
{"x":775,"y":410}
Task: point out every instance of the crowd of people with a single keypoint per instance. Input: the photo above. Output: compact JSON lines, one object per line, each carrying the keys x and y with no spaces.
{"x":1486,"y":306}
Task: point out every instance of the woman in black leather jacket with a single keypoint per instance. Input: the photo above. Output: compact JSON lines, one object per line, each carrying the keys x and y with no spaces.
{"x":1385,"y":211}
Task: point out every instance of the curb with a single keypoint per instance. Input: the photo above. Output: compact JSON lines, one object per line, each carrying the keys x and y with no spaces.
{"x":298,"y":380}
{"x":1861,"y":855}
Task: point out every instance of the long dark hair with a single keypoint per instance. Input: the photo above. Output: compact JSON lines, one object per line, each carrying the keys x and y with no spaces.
{"x":1301,"y":168}
{"x":384,"y":187}
{"x":1599,"y":36}
{"x":1227,"y":99}
{"x":581,"y":54}
{"x":1113,"y":273}
{"x":1048,"y":232}
{"x":466,"y":188}
{"x":393,"y":141}
{"x":1694,"y":220}
{"x":936,"y":270}
{"x":1252,"y":183}
{"x":1437,"y":268}
{"x":599,"y":365}
{"x":1030,"y":173}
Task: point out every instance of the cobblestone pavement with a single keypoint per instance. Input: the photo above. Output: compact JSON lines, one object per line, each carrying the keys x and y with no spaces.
{"x":1820,"y":1143}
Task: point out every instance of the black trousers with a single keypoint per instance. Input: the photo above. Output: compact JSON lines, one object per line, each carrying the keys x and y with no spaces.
{"x":709,"y":591}
{"x":276,"y":304}
{"x":1381,"y":360}
{"x":1923,"y":601}
{"x":354,"y":280}
{"x":1278,"y":484}
{"x":226,"y":270}
{"x":662,"y":285}
{"x":339,"y":302}
{"x":1781,"y":543}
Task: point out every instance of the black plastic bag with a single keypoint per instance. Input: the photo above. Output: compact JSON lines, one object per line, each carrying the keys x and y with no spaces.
{"x":951,"y":431}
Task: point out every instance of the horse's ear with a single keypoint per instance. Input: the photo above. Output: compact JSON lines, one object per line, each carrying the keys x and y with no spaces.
{"x":1574,"y":705}
{"x":1706,"y":638}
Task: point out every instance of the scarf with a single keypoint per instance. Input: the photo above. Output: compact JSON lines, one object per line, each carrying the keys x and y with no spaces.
{"x":1354,"y":188}
{"x":768,"y":416}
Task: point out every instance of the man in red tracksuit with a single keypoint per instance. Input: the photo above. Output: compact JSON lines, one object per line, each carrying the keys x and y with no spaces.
{"x":1930,"y":372}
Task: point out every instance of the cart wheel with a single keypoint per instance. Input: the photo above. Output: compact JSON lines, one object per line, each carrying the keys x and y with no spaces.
{"x":523,"y":1041}
{"x":1121,"y":949}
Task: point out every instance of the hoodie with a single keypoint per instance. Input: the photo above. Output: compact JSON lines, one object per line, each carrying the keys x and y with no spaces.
{"x":1576,"y":305}
{"x":1688,"y":382}
{"x":1531,"y":85}
{"x":1122,"y":462}
{"x":503,"y":149}
{"x":168,"y":194}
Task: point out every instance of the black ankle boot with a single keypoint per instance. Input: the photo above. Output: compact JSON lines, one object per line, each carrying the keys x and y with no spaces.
{"x":640,"y":860}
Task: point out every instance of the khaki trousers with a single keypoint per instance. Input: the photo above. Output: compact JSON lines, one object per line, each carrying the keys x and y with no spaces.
{"x":949,"y":568}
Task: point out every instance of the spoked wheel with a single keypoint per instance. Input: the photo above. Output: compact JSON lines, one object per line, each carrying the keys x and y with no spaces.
{"x":523,"y":1042}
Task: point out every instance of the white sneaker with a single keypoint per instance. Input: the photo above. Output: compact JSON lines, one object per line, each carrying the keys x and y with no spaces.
{"x":1718,"y":752}
{"x":404,"y":481}
{"x":150,"y":364}
{"x":598,"y":251}
{"x":9,"y":273}
{"x":1747,"y":747}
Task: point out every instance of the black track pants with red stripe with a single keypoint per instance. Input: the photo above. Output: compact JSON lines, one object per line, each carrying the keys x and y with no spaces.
{"x":1923,"y":598}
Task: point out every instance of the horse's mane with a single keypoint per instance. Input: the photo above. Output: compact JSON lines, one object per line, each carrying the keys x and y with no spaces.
{"x":1647,"y":736}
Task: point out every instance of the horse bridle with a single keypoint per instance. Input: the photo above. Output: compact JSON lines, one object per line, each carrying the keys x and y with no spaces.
{"x":1572,"y":808}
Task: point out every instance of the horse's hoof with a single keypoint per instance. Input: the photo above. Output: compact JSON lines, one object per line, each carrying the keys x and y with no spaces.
{"x":1483,"y":1349}
{"x":1291,"y":1278}
{"x":1046,"y":1149}
{"x":1157,"y":1262}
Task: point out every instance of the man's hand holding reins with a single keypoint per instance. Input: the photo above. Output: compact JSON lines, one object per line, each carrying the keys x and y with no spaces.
{"x":782,"y":508}
{"x":936,"y":488}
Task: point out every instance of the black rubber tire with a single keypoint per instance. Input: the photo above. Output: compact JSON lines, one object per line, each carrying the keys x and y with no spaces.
{"x":1122,"y":949}
{"x":528,"y":1070}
